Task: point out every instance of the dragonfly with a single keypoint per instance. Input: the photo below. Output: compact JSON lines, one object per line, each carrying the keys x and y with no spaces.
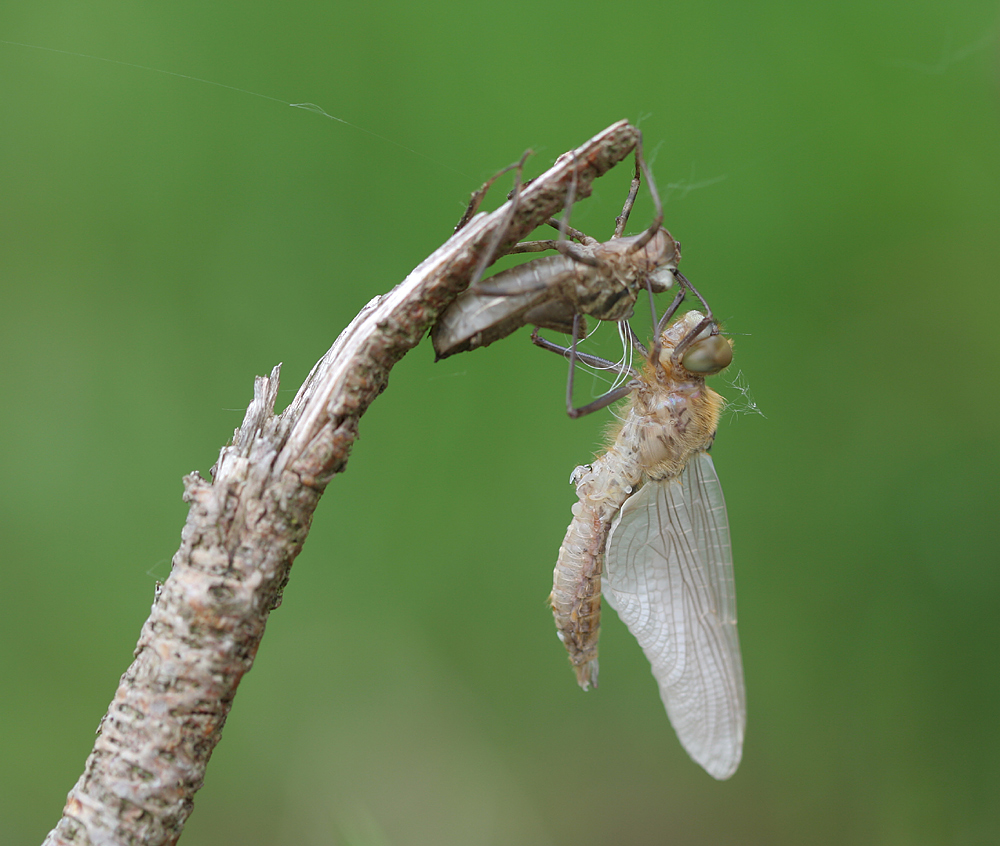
{"x":650,"y":533}
{"x":589,"y":277}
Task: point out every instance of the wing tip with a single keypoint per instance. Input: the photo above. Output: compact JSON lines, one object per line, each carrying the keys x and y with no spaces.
{"x":721,"y":760}
{"x":721,"y":770}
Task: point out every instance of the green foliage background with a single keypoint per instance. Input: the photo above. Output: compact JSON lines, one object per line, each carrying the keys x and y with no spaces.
{"x":835,"y":173}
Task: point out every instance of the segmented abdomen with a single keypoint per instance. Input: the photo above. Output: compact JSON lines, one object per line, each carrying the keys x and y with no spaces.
{"x":602,"y":487}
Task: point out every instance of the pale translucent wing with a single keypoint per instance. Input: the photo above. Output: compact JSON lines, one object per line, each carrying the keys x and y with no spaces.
{"x":668,"y":572}
{"x":703,"y":495}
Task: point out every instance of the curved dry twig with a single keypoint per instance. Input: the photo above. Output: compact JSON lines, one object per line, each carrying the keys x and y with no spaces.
{"x":246,"y":526}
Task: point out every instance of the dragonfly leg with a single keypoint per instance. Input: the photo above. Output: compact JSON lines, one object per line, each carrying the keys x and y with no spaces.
{"x":563,"y":245}
{"x":707,"y":320}
{"x":478,"y":195}
{"x":622,"y":219}
{"x":654,"y":227}
{"x":489,"y":255}
{"x":585,"y":358}
{"x":534,"y":246}
{"x":654,"y":354}
{"x":576,"y":234}
{"x":573,"y":355}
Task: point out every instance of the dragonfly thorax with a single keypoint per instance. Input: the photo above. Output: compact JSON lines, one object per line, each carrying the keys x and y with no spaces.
{"x":668,"y":426}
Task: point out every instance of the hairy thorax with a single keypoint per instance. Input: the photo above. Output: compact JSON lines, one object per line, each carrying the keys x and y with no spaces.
{"x":663,"y":428}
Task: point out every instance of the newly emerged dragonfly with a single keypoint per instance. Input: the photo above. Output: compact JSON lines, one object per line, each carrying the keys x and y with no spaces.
{"x":598,"y":279}
{"x":652,"y":520}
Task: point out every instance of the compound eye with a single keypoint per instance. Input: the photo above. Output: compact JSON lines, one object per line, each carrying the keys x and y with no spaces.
{"x":708,"y":356}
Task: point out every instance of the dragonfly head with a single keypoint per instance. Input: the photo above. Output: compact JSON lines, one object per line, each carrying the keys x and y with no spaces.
{"x":707,"y":356}
{"x":696,"y":345}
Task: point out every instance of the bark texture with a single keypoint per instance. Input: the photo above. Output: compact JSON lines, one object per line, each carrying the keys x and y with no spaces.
{"x":246,"y":526}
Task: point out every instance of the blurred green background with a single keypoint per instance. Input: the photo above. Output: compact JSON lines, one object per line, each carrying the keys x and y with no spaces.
{"x":832,"y":171}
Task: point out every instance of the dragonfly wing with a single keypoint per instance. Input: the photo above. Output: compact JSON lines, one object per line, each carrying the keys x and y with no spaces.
{"x":668,"y":572}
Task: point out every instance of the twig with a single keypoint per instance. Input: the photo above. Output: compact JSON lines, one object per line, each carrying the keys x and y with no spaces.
{"x":246,"y":526}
